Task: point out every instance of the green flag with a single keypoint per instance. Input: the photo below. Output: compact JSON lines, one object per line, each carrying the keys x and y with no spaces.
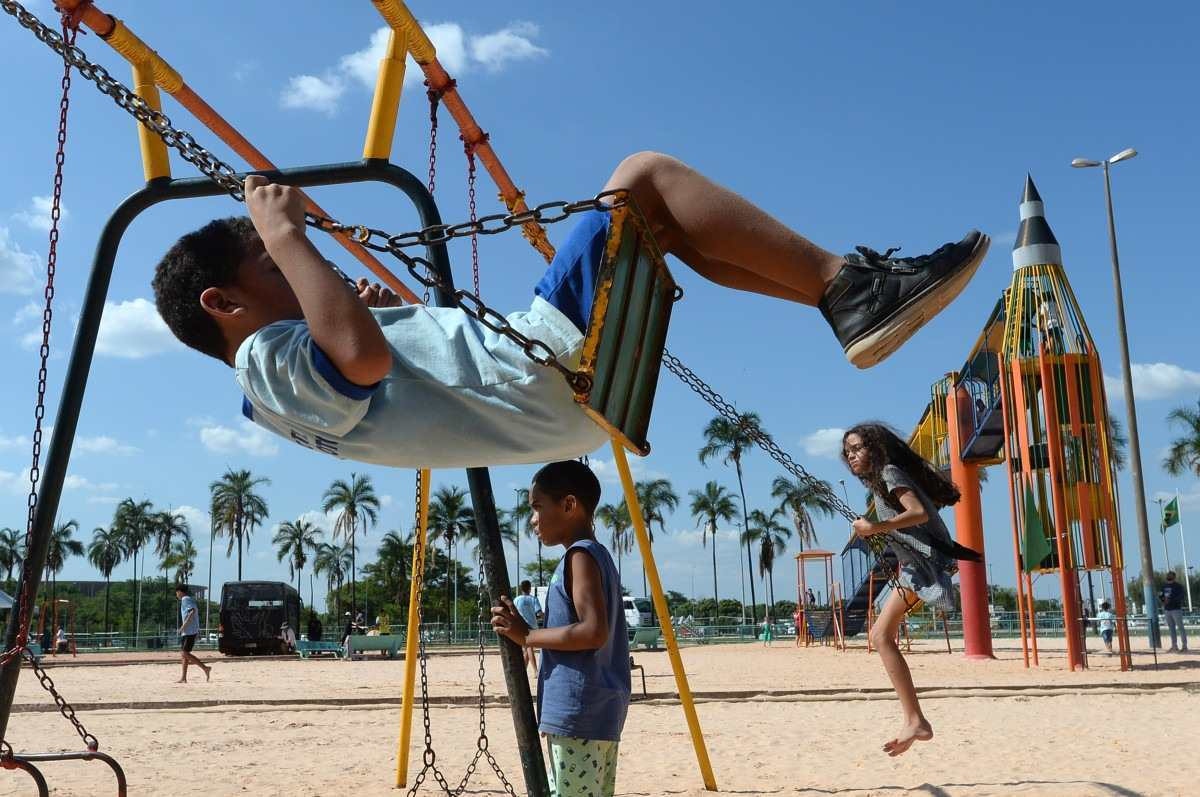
{"x":1171,"y":514}
{"x":1036,"y":547}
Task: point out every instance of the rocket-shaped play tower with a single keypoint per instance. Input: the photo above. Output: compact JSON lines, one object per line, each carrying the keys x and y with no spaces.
{"x":1056,"y":436}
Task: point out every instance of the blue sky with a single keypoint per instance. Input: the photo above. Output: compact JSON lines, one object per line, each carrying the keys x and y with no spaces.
{"x":863,"y":123}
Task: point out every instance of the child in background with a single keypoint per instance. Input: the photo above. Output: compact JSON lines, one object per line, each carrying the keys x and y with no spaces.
{"x":908,"y":492}
{"x":1107,"y":624}
{"x":583,"y":683}
{"x":529,"y":608}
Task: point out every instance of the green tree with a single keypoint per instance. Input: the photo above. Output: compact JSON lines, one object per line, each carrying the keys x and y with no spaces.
{"x":800,"y":500}
{"x":166,"y":527}
{"x":450,"y":517}
{"x":548,"y":565}
{"x":1118,"y":444}
{"x":521,"y":520}
{"x":61,"y":548}
{"x":1184,"y":452}
{"x":771,"y":537}
{"x":105,"y":552}
{"x":395,"y":558}
{"x":731,"y":441}
{"x":294,"y":542}
{"x":237,"y":508}
{"x":334,"y":561}
{"x":133,"y":520}
{"x":182,"y":558}
{"x":656,"y":497}
{"x":11,"y":553}
{"x":356,"y":502}
{"x":615,"y":518}
{"x":710,"y":508}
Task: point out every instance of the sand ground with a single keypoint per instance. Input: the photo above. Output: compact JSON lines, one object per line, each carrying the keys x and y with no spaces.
{"x":776,"y":721}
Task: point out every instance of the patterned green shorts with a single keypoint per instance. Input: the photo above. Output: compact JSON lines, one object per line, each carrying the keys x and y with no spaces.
{"x":582,"y":767}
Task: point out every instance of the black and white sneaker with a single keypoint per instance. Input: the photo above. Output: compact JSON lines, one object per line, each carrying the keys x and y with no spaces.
{"x":877,"y":302}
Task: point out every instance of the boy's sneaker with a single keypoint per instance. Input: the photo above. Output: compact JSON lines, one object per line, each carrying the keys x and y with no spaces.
{"x":876,"y":302}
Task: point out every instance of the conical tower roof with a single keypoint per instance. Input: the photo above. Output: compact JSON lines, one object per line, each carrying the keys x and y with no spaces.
{"x":1035,"y":243}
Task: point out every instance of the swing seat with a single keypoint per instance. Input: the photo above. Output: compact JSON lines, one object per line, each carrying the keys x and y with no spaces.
{"x":627,"y":332}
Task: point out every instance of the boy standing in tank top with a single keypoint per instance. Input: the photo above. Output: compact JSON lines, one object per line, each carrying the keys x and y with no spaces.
{"x":583,"y":683}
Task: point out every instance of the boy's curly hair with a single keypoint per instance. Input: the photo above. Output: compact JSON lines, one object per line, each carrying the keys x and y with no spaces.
{"x":570,"y":477}
{"x":884,"y":447}
{"x":206,"y":258}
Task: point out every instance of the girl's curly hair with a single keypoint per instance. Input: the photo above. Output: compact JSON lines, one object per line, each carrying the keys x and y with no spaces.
{"x":885,"y":447}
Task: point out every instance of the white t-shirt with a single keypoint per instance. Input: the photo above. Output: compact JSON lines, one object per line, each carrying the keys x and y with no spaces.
{"x":458,"y":394}
{"x":1106,"y":620}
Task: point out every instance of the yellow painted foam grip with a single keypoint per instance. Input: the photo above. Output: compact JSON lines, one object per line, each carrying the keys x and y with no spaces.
{"x":136,"y":51}
{"x":401,"y":19}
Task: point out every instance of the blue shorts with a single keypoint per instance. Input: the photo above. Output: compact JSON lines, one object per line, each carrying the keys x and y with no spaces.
{"x":570,"y":280}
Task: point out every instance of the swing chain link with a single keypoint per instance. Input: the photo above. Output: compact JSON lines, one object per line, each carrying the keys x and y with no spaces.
{"x":755,"y":433}
{"x":419,"y":268}
{"x":64,"y":707}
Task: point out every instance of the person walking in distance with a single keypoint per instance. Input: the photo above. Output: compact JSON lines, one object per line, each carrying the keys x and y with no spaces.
{"x":189,"y":629}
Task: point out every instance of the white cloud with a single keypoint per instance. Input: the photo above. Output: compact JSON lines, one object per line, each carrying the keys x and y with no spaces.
{"x":824,"y":443}
{"x":76,"y":482}
{"x":37,"y":217}
{"x":17,"y":267}
{"x":1154,"y":381}
{"x":385,"y":501}
{"x":197,"y":519}
{"x":133,"y":330}
{"x":19,"y":442}
{"x":14,"y":482}
{"x":457,"y":51}
{"x":110,"y":500}
{"x":246,"y":439}
{"x":103,"y":444}
{"x":30,"y":312}
{"x":313,"y":93}
{"x":494,"y":51}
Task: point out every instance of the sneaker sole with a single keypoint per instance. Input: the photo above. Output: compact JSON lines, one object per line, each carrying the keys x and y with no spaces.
{"x":877,"y":345}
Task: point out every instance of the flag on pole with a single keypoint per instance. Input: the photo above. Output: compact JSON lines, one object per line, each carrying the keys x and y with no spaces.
{"x":1035,"y":546}
{"x":1171,"y":514}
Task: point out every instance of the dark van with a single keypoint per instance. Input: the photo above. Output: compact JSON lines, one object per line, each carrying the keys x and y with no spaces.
{"x":252,"y":613}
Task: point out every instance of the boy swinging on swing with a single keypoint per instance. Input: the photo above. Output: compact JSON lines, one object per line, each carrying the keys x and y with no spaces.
{"x":357,"y":375}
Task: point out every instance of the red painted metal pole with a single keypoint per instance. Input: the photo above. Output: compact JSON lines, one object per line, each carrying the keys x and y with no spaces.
{"x":968,"y":529}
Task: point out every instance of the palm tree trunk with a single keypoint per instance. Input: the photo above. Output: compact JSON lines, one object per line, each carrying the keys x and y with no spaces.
{"x":137,"y":612}
{"x":238,"y":521}
{"x":771,"y":577}
{"x":353,"y":574}
{"x":208,"y":590}
{"x":716,"y":600}
{"x":107,"y":588}
{"x":749,"y":555}
{"x":541,"y":581}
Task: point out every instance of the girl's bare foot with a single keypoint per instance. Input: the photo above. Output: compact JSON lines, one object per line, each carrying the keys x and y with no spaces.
{"x":920,"y":731}
{"x":182,"y":681}
{"x":208,"y":673}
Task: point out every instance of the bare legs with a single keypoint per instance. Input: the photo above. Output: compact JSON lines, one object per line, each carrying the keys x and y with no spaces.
{"x":883,"y":636}
{"x":186,"y":657}
{"x":531,"y":658}
{"x":722,"y":236}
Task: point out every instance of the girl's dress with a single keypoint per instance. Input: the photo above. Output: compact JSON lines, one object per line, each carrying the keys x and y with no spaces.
{"x":926,"y":555}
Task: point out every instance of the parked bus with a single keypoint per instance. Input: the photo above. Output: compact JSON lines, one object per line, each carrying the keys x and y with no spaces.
{"x":252,"y":614}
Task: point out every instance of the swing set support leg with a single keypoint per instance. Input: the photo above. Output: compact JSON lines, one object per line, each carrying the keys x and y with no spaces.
{"x":411,"y":638}
{"x":664,"y":616}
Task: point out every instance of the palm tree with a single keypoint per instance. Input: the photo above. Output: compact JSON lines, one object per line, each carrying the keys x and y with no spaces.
{"x":798,"y":498}
{"x":449,"y":518}
{"x":731,"y":441}
{"x":521,"y":520}
{"x":356,"y":501}
{"x":333,"y":561}
{"x":1118,"y":444}
{"x":182,"y":558}
{"x":293,"y":542}
{"x":1184,"y":452}
{"x":132,"y":520}
{"x":237,"y":509}
{"x":62,"y":547}
{"x":105,"y":552}
{"x":11,"y":553}
{"x":615,"y":518}
{"x":166,"y":527}
{"x":771,"y":536}
{"x":395,"y":554}
{"x":712,"y":506}
{"x":654,"y":497}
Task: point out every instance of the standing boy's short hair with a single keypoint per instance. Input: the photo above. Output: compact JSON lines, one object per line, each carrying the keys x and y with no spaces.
{"x":206,"y":258}
{"x":526,"y":585}
{"x":570,"y":477}
{"x":1170,"y":575}
{"x":1104,"y":606}
{"x":182,"y":588}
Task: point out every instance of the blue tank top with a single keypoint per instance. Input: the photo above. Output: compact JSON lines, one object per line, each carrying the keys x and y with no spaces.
{"x":585,"y":693}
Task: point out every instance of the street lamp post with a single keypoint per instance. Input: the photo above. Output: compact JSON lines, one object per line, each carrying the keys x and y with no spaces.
{"x":1135,"y":448}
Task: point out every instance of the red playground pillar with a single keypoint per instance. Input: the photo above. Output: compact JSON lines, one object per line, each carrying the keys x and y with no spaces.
{"x":968,"y":527}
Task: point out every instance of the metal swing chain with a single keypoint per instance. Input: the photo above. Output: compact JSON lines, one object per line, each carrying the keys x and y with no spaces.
{"x":419,"y":268}
{"x":469,"y":149}
{"x":69,"y":32}
{"x":434,"y":100}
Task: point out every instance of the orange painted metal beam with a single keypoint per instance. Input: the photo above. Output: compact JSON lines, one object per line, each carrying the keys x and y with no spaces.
{"x":401,"y":20}
{"x":134,"y":50}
